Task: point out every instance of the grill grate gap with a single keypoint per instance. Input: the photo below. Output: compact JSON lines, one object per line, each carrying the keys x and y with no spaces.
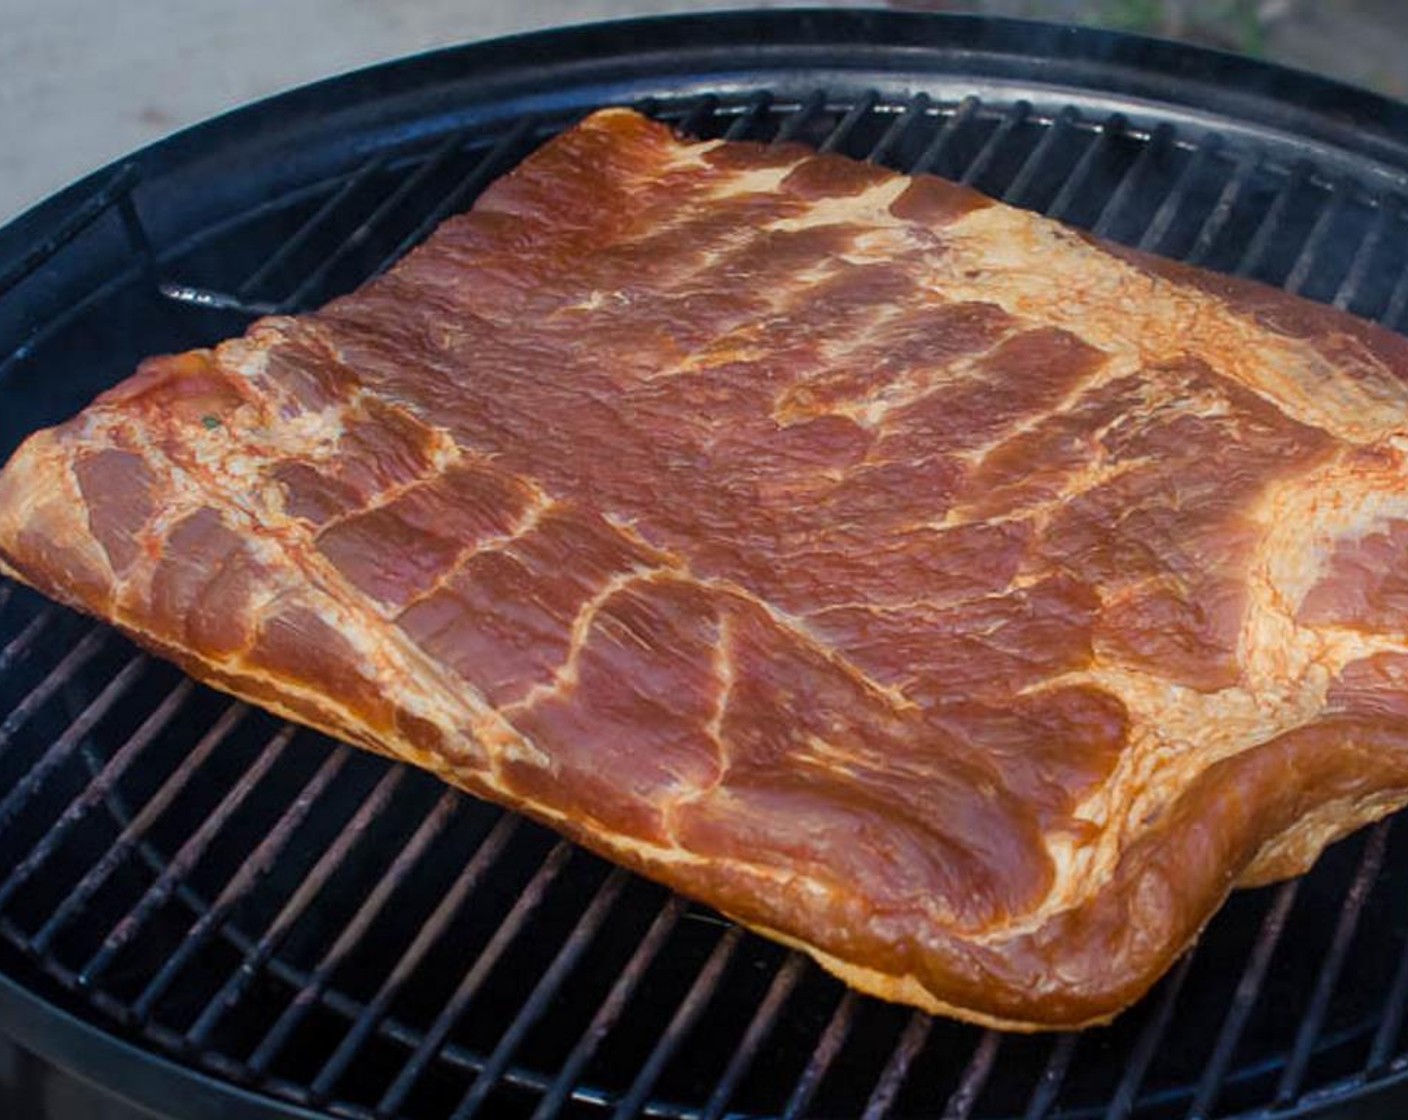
{"x":246,"y":879}
{"x":98,"y":788}
{"x":744,"y":1055}
{"x":1120,"y":217}
{"x":1097,"y":170}
{"x":1247,"y":993}
{"x":892,"y":1078}
{"x":891,"y":146}
{"x":611,"y":1008}
{"x":935,"y":157}
{"x":153,"y":809}
{"x":1275,"y":229}
{"x":1053,"y":1076}
{"x":487,"y":959}
{"x":1350,"y":296}
{"x":251,"y":972}
{"x":1313,"y":1021}
{"x":563,"y":963}
{"x":680,"y":1025}
{"x":160,"y":892}
{"x":319,"y":223}
{"x":353,"y":932}
{"x":65,"y":746}
{"x":428,"y":934}
{"x":792,"y":124}
{"x":827,"y":1047}
{"x":975,"y":1077}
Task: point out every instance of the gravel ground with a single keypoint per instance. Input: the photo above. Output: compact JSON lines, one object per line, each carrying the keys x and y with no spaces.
{"x":83,"y":81}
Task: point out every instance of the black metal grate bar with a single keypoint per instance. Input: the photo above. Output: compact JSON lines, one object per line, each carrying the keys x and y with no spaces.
{"x":22,"y":644}
{"x":314,"y":225}
{"x":137,"y":234}
{"x":83,"y":216}
{"x":494,"y":161}
{"x":1391,"y":1022}
{"x":1397,"y":302}
{"x":1305,"y":260}
{"x":239,"y":982}
{"x":1173,"y":202}
{"x":156,"y":805}
{"x":892,"y":1078}
{"x":913,"y":112}
{"x":354,"y":930}
{"x":300,"y":296}
{"x":864,"y":105}
{"x":1248,"y":991}
{"x":755,"y":1035}
{"x":756,"y":105}
{"x":63,"y":747}
{"x":975,"y":1077}
{"x":1221,"y":213}
{"x":469,"y":986}
{"x":1052,"y":138}
{"x":611,"y":1008}
{"x":681,"y":1023}
{"x":1053,"y":1077}
{"x":1270,"y":225}
{"x":1014,"y":116}
{"x":1075,"y":182}
{"x":1372,"y":859}
{"x":260,"y":861}
{"x":1388,"y":211}
{"x":186,"y":857}
{"x":829,"y":1045}
{"x":692,"y":124}
{"x":1155,"y":1027}
{"x":1133,"y":179}
{"x":61,"y":674}
{"x":429,"y":933}
{"x":543,"y":993}
{"x":964,"y":112}
{"x":97,"y":789}
{"x":793,"y":123}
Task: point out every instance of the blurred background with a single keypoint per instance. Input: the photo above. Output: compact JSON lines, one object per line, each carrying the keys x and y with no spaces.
{"x":84,"y":81}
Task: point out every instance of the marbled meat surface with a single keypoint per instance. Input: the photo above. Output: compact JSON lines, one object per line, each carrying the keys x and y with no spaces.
{"x":922,"y":583}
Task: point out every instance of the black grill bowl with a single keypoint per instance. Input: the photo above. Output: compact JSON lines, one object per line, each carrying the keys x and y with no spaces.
{"x":209,"y":913}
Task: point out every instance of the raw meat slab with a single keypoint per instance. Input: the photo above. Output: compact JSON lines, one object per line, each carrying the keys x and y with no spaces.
{"x":920,"y":582}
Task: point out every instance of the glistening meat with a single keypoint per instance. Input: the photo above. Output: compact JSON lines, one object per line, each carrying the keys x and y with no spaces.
{"x":918,"y":581}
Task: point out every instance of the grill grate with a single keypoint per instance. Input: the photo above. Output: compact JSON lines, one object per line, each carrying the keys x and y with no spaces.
{"x":312,"y":923}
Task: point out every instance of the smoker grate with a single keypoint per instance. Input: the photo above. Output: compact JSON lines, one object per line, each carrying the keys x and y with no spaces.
{"x":324,"y":929}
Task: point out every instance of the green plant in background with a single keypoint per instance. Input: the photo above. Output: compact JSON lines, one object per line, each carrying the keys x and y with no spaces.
{"x":1357,"y":41}
{"x":1146,"y":16}
{"x":1238,"y":25}
{"x":1235,"y":25}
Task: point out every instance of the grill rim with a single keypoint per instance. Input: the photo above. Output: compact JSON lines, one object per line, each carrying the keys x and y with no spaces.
{"x":426,"y":96}
{"x":118,"y":1068}
{"x":422,"y":94}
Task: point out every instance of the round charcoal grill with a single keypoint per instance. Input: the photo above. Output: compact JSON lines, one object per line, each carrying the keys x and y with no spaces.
{"x":207,"y":912}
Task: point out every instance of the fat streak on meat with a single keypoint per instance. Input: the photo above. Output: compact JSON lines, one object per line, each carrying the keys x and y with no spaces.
{"x":920,"y":582}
